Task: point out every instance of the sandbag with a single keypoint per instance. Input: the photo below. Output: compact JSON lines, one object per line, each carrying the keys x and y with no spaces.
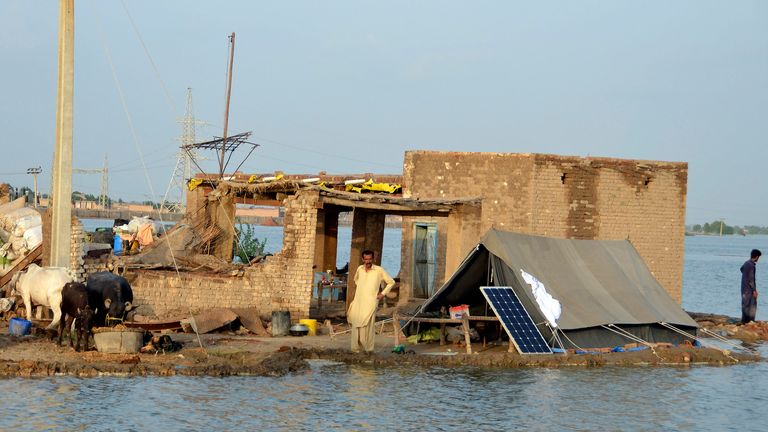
{"x":33,"y":236}
{"x":137,"y":222}
{"x":25,"y":223}
{"x":17,"y":244}
{"x":8,"y":220}
{"x":13,"y":205}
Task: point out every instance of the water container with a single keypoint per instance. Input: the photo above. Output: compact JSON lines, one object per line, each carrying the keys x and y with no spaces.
{"x":118,"y":246}
{"x":281,"y":323}
{"x":19,"y":327}
{"x":311,"y":325}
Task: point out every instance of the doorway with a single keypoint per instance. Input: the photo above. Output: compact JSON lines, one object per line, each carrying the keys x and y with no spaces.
{"x":424,"y":259}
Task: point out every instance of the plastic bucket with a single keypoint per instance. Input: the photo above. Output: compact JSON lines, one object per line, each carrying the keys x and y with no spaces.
{"x":311,"y":325}
{"x":19,"y":327}
{"x":118,"y":245}
{"x":281,"y":323}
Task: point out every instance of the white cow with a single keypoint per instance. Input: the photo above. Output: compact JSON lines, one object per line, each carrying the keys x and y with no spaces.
{"x":42,"y":286}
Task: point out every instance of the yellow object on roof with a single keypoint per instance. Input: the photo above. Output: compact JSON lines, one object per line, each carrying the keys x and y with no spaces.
{"x":371,"y":186}
{"x":192,"y":184}
{"x":253,"y":179}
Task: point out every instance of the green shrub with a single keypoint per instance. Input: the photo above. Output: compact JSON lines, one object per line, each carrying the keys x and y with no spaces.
{"x":249,"y":246}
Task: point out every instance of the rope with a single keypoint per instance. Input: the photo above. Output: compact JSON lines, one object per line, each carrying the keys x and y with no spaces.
{"x":138,"y":147}
{"x":149,"y":57}
{"x":569,"y":340}
{"x":620,"y":331}
{"x":728,"y":341}
{"x":682,"y":332}
{"x":556,"y":337}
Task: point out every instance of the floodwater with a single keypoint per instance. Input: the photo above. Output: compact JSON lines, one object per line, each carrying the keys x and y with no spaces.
{"x":340,"y":397}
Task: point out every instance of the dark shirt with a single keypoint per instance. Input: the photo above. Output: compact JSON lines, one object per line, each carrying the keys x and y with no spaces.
{"x":748,"y":277}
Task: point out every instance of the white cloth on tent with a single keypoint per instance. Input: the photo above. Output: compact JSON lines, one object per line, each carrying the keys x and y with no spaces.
{"x":548,"y":305}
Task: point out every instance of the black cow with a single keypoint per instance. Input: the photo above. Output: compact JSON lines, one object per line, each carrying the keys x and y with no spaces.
{"x":75,"y":306}
{"x":110,"y":296}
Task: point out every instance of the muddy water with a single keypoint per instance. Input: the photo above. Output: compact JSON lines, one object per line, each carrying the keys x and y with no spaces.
{"x":343,"y":397}
{"x":340,"y":397}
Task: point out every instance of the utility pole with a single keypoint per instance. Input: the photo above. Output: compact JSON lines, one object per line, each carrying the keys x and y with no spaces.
{"x":104,"y":189}
{"x":61,"y":187}
{"x":104,"y":195}
{"x":226,"y":108}
{"x":35,"y":172}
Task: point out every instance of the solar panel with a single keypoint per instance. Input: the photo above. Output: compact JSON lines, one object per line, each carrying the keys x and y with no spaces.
{"x":516,"y":320}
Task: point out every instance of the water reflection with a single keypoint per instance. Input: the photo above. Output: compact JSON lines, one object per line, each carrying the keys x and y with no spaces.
{"x":341,"y":397}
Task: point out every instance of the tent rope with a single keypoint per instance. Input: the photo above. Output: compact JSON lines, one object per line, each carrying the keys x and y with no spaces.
{"x":683,"y":332}
{"x":728,"y":341}
{"x":621,"y":332}
{"x":555,"y":336}
{"x":569,"y":340}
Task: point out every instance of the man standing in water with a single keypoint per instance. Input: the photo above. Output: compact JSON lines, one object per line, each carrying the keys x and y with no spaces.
{"x":749,"y":288}
{"x":362,"y":311}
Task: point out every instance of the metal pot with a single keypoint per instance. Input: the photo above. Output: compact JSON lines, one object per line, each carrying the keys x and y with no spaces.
{"x":298,"y":330}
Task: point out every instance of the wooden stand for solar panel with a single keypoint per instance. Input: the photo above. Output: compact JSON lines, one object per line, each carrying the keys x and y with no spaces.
{"x":464,"y":321}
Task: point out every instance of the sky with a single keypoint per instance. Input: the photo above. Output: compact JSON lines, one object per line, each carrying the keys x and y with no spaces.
{"x":349,"y":86}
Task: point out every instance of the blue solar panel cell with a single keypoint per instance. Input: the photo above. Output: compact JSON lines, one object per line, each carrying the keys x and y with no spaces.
{"x":516,"y":320}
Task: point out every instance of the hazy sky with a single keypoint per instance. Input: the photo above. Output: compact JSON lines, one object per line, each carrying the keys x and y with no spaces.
{"x":348,"y":86}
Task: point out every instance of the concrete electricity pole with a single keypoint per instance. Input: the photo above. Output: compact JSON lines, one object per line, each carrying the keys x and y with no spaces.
{"x":35,"y":172}
{"x":61,"y":188}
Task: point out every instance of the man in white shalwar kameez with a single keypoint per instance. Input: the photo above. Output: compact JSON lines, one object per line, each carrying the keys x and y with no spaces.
{"x":362,"y":311}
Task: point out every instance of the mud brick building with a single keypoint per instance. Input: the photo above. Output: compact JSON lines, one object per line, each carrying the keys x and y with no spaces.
{"x":449,"y":200}
{"x":550,"y":195}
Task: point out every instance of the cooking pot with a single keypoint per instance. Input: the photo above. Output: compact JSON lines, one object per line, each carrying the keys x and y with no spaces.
{"x":298,"y":330}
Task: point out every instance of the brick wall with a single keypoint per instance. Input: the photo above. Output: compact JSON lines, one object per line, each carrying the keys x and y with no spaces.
{"x":281,"y":282}
{"x":567,"y":197}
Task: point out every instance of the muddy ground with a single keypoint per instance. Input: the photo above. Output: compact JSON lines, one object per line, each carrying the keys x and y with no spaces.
{"x":227,"y":354}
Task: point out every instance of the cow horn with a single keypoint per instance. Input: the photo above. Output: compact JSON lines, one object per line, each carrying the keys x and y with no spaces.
{"x":128,"y":306}
{"x":107,"y":302}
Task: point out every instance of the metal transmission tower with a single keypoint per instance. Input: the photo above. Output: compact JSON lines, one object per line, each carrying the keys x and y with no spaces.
{"x":176,"y":194}
{"x":104,"y":189}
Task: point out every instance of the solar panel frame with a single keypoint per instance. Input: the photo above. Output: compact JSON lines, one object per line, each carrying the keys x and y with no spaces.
{"x":516,"y":320}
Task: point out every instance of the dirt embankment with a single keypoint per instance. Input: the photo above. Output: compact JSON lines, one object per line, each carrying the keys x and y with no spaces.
{"x":732,"y":328}
{"x":655,"y":357}
{"x":37,"y":356}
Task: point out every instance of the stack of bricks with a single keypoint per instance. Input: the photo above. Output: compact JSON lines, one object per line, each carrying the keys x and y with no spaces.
{"x":76,"y":259}
{"x":101,"y":264}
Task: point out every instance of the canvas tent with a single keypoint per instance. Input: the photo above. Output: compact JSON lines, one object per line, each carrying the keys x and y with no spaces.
{"x":597,"y":282}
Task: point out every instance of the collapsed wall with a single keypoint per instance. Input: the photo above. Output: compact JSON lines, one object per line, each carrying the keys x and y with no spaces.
{"x":282,"y":282}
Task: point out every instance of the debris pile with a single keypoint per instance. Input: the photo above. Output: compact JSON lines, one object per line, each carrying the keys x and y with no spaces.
{"x":726,"y":326}
{"x":21,"y":231}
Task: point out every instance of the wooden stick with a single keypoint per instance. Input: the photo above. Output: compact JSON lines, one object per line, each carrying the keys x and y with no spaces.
{"x":465,"y":325}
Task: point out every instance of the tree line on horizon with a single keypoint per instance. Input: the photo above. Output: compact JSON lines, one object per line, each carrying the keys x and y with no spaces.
{"x":713,"y":228}
{"x":28,"y":192}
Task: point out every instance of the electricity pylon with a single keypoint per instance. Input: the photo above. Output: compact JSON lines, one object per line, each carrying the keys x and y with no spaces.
{"x":104,"y":189}
{"x":176,"y":195}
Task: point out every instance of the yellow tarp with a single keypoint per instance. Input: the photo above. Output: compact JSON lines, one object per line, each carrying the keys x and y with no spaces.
{"x":370,"y":186}
{"x":193,"y":184}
